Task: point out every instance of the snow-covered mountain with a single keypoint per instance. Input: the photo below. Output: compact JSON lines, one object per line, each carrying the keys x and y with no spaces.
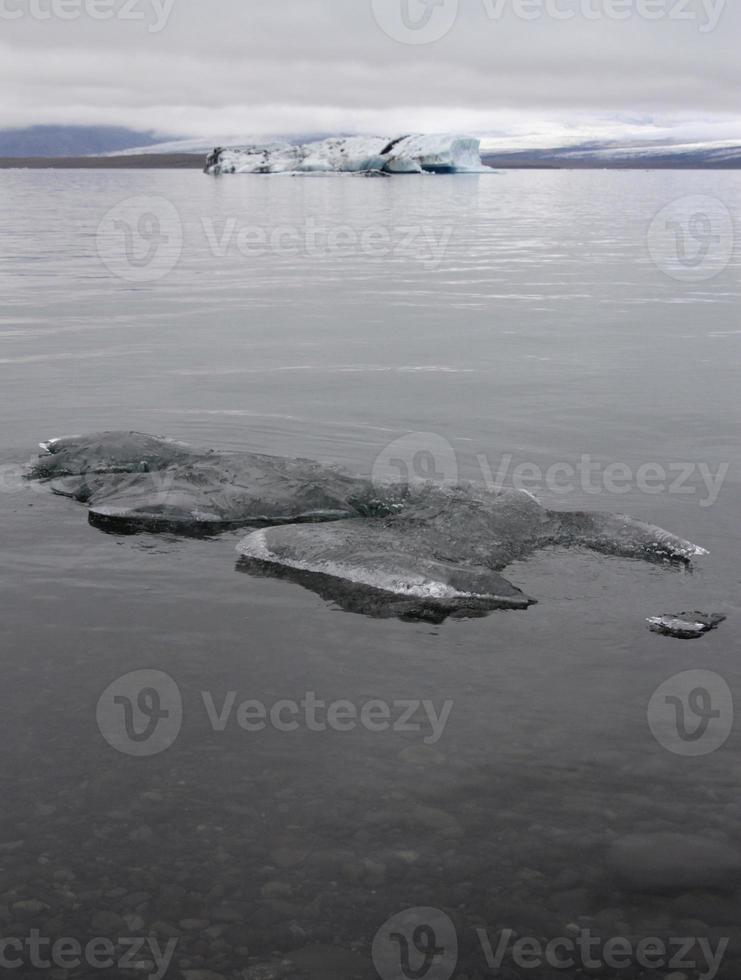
{"x":204,"y":144}
{"x":639,"y":146}
{"x":717,"y":155}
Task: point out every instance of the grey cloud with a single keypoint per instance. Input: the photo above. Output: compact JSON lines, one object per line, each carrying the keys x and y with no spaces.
{"x":260,"y":65}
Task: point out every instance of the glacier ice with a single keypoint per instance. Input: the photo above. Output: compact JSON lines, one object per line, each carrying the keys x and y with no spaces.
{"x":353,"y":154}
{"x":414,"y":549}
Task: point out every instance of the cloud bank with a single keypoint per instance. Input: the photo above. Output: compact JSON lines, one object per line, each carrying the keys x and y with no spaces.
{"x":532,"y":70}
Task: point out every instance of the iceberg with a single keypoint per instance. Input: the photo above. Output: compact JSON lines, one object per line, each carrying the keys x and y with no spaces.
{"x":437,"y":154}
{"x":414,"y":550}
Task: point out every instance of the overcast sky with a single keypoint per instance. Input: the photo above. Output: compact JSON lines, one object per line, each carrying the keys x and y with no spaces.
{"x":255,"y":67}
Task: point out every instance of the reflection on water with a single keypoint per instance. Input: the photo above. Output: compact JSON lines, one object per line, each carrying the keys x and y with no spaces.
{"x":546,"y":332}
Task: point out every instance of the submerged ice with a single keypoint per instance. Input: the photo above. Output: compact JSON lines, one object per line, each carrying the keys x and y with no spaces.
{"x":353,"y":154}
{"x":414,"y":551}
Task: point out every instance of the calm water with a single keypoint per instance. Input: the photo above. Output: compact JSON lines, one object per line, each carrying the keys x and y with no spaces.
{"x":518,"y":314}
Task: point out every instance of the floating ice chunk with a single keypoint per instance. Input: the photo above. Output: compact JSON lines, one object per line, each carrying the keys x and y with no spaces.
{"x":685,"y":626}
{"x":442,"y":153}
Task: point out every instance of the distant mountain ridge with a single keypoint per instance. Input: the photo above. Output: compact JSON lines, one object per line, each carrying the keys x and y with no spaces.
{"x":71,"y":141}
{"x":79,"y":141}
{"x":205,"y":145}
{"x":621,"y":156}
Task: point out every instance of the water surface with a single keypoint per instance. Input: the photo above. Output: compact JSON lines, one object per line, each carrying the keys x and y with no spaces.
{"x":518,"y":314}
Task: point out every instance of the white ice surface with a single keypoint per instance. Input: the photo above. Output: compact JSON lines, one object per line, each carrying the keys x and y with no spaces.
{"x":256,"y":546}
{"x":357,"y":154}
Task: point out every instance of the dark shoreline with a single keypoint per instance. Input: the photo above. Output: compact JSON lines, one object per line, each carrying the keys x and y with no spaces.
{"x":192,"y":161}
{"x":556,"y":161}
{"x":140,"y":161}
